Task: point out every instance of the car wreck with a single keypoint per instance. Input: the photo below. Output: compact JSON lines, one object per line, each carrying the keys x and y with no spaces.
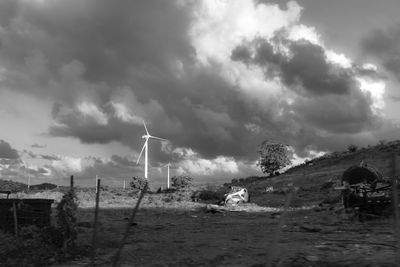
{"x":236,"y":196}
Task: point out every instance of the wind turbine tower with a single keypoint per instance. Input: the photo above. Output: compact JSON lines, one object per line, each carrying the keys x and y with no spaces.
{"x":168,"y":166}
{"x":145,"y":147}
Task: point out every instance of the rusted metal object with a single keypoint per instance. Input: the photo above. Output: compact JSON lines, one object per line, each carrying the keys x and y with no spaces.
{"x":365,"y":192}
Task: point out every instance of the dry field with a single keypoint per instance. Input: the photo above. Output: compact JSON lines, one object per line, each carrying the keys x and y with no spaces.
{"x":190,"y":236}
{"x":171,"y":230}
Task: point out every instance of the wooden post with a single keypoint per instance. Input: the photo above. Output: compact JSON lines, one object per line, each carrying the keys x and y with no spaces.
{"x":396,"y":206}
{"x":29,"y":182}
{"x":96,"y":183}
{"x":125,"y":236}
{"x":96,"y":211}
{"x":124,"y":185}
{"x":15,"y":218}
{"x":72,"y":182}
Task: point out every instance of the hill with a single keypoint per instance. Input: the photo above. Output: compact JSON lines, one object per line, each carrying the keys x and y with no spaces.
{"x":313,"y":181}
{"x":7,"y":185}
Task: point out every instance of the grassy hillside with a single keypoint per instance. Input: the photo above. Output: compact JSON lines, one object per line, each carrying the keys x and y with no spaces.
{"x":313,"y":181}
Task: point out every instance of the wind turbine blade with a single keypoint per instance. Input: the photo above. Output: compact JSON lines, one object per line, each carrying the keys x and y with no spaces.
{"x":145,"y":143}
{"x":157,"y":138}
{"x":145,"y":128}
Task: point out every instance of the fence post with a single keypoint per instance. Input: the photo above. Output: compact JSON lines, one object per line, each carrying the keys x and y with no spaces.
{"x":128,"y":226}
{"x":15,"y":218}
{"x":72,"y":183}
{"x":396,"y":206}
{"x":96,"y":211}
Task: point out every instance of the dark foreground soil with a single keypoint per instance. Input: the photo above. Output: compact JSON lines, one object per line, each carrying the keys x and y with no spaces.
{"x":194,"y":237}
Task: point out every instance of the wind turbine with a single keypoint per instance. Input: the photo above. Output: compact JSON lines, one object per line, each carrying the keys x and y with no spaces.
{"x":168,"y":165}
{"x":145,"y":147}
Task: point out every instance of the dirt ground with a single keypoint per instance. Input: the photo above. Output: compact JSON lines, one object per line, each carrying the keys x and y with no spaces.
{"x":195,"y":237}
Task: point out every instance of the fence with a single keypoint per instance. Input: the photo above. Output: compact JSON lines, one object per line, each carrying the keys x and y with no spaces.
{"x":24,"y":212}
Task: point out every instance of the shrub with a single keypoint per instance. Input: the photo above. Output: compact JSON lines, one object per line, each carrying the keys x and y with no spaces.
{"x":138,"y":183}
{"x":182,"y":182}
{"x":209,"y":195}
{"x":33,"y":247}
{"x":66,"y":222}
{"x":352,"y":148}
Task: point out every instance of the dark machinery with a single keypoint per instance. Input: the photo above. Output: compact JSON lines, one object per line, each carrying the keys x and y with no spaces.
{"x":365,"y":192}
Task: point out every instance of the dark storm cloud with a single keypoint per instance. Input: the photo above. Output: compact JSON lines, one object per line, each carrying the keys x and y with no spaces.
{"x":309,"y":66}
{"x":326,"y":100}
{"x":7,"y":152}
{"x":90,"y":55}
{"x":384,"y":44}
{"x":395,"y":98}
{"x":306,"y":67}
{"x":109,"y":38}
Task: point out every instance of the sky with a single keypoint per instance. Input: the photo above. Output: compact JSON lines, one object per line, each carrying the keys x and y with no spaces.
{"x":214,"y":77}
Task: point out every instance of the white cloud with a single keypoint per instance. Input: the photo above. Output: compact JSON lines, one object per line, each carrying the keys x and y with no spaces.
{"x":92,"y":112}
{"x":370,"y":66}
{"x":301,"y":31}
{"x":67,"y":164}
{"x":122,"y":112}
{"x":376,"y":89}
{"x":339,"y":59}
{"x":193,"y":164}
{"x":221,"y":25}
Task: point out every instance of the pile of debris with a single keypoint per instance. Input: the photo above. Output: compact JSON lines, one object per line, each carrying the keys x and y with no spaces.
{"x":237,"y":195}
{"x":366,"y":192}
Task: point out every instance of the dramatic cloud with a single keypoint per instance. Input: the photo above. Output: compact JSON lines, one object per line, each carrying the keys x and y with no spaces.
{"x":213,"y":77}
{"x":384,"y":44}
{"x":7,"y":152}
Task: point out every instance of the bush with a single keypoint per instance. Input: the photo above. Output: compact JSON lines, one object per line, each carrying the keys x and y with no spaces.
{"x":208,"y":194}
{"x":66,"y":223}
{"x":352,"y":148}
{"x":138,"y":183}
{"x":33,"y":247}
{"x":382,"y":142}
{"x":182,"y":182}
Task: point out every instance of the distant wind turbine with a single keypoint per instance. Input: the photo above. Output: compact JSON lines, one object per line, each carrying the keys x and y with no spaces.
{"x":147,"y":136}
{"x":167,"y":165}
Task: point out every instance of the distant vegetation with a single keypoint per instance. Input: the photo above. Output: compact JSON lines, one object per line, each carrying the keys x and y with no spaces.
{"x":182,"y":182}
{"x":352,"y":148}
{"x":138,"y":183}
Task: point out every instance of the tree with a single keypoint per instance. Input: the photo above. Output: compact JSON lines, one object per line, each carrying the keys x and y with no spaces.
{"x":182,"y":182}
{"x":273,"y":156}
{"x":352,"y":148}
{"x":138,"y":183}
